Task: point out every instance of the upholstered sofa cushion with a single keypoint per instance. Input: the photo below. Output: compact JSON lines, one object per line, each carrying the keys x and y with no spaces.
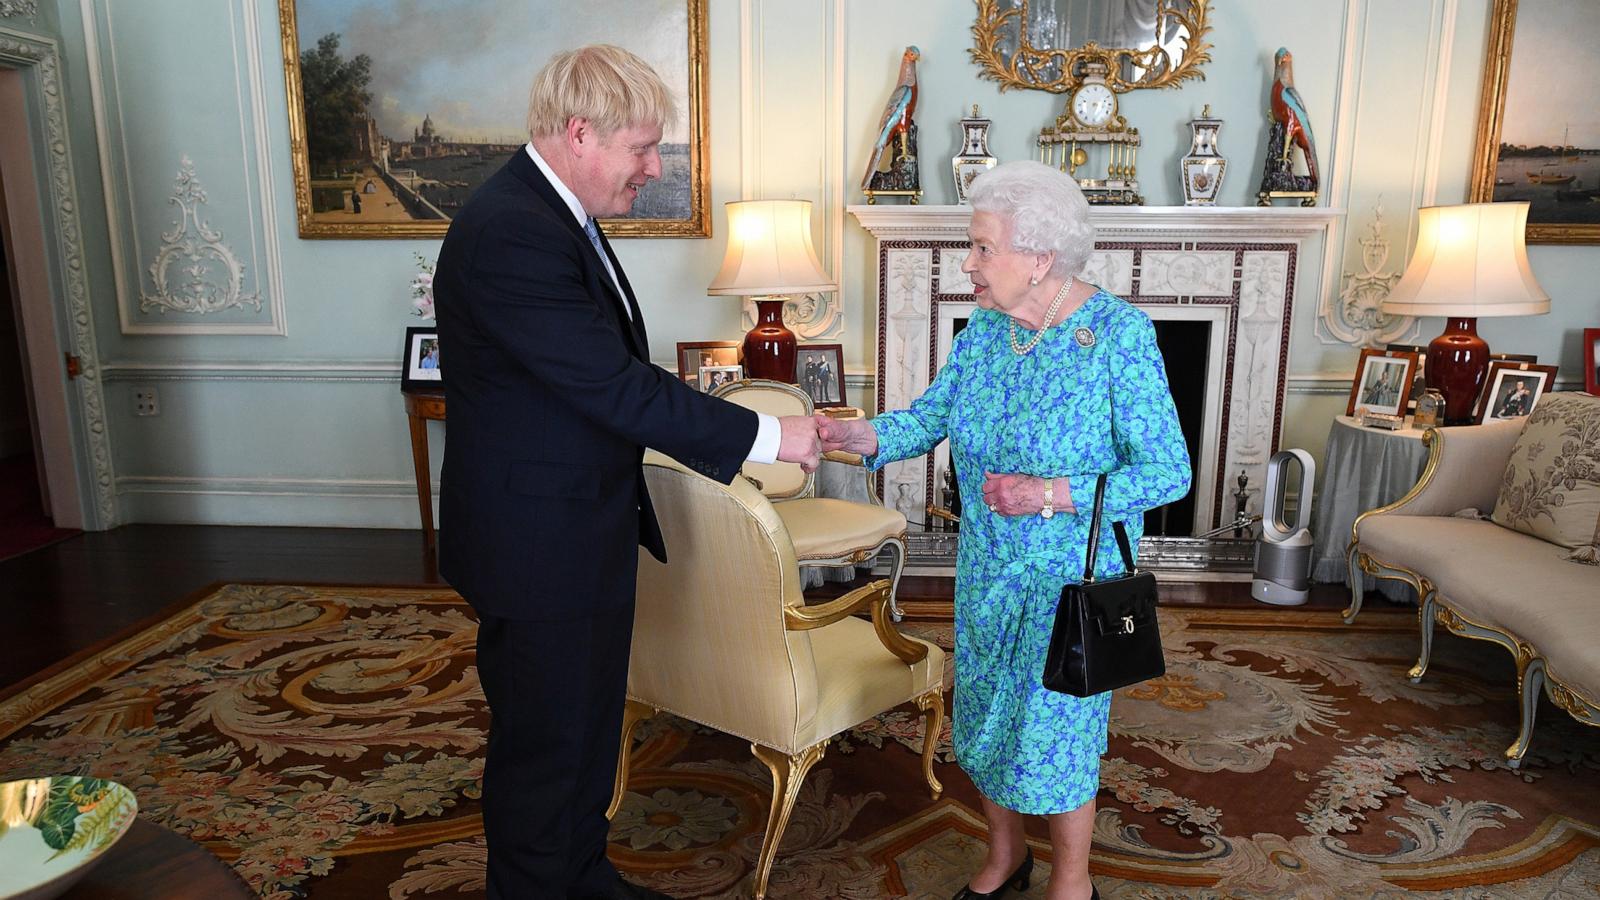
{"x":1551,"y":485}
{"x":1504,"y":580}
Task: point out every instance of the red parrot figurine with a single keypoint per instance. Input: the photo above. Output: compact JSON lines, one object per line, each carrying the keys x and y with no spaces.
{"x":1290,"y":112}
{"x":897,"y":113}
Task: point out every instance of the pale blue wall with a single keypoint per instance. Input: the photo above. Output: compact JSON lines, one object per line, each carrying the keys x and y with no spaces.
{"x":306,"y":427}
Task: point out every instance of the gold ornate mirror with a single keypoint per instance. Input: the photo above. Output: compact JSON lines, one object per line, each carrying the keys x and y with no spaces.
{"x":1044,"y":44}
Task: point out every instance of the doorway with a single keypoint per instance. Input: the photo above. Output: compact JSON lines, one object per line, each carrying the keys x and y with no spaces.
{"x":39,"y":487}
{"x":25,"y":523}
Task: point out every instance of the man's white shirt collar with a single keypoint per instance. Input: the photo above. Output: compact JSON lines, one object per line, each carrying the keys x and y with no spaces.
{"x":561,"y":188}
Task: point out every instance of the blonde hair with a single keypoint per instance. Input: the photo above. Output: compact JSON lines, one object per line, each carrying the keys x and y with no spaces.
{"x":607,"y":85}
{"x":1047,"y":210}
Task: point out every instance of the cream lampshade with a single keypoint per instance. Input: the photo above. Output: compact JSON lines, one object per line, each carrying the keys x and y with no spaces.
{"x":770,"y":255}
{"x":1470,"y":260}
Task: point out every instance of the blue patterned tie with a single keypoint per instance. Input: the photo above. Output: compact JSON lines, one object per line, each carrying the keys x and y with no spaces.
{"x":593,"y":231}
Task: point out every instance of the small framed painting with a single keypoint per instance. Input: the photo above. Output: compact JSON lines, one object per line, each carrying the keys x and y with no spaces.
{"x":420,"y":367}
{"x":1513,"y":389}
{"x":819,"y":371}
{"x":1383,"y":382}
{"x":694,"y":355}
{"x":1591,"y":360}
{"x":713,"y":377}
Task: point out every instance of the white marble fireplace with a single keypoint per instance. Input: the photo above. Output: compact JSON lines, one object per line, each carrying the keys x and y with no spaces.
{"x":1236,"y":269}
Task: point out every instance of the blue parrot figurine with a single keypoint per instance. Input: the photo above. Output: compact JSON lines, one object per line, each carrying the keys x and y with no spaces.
{"x":1290,"y":112}
{"x":897,"y":114}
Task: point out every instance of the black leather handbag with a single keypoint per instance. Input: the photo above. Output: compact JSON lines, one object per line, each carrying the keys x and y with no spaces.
{"x":1105,"y":636}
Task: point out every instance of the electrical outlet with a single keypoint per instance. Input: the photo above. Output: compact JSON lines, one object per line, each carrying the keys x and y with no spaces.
{"x":145,"y":402}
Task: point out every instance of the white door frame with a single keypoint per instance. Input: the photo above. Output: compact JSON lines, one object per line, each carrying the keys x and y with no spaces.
{"x":44,"y":243}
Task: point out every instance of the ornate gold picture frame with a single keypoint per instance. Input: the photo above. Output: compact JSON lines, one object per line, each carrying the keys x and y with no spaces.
{"x":1526,"y":149}
{"x":412,"y":106}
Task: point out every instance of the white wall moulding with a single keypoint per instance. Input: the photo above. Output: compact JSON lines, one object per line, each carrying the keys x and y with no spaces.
{"x":195,"y":271}
{"x":181,"y":276}
{"x":1353,"y":316}
{"x":1238,"y":269}
{"x":92,"y":442}
{"x":246,"y":370}
{"x":19,"y":8}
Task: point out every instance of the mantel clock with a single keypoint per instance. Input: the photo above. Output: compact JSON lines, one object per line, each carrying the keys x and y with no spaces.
{"x":1093,"y":142}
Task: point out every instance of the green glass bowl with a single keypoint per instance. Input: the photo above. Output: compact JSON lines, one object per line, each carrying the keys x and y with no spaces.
{"x":53,"y":829}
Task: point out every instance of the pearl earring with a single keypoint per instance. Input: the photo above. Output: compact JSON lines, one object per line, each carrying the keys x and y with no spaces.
{"x":1033,"y":281}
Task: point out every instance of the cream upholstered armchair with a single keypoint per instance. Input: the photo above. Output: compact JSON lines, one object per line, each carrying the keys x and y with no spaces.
{"x":722,"y":637}
{"x":825,"y":531}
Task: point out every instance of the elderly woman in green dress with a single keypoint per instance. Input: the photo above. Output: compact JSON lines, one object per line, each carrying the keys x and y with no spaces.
{"x":1052,"y":383}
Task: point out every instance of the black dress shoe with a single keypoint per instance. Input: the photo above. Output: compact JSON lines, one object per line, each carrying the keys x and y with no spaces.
{"x":1017,"y":882}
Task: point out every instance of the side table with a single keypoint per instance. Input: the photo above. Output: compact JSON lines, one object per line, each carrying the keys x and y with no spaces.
{"x":422,"y":406}
{"x":1363,"y":468}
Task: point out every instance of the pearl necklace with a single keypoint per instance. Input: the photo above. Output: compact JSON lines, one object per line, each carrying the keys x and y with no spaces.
{"x":1022,"y":349}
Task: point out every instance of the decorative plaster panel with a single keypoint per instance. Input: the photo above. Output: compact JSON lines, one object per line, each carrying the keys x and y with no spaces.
{"x":19,"y":8}
{"x":1186,"y":273}
{"x":180,"y":277}
{"x":1355,"y":315}
{"x":209,"y":277}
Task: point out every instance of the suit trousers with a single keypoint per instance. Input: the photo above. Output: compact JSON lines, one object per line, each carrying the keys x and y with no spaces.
{"x":556,"y":692}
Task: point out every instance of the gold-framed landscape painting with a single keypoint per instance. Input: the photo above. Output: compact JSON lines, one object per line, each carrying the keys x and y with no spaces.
{"x":399,"y":110}
{"x":1538,"y":132}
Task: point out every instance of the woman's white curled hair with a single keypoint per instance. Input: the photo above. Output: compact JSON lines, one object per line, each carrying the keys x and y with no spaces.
{"x":1046,"y":209}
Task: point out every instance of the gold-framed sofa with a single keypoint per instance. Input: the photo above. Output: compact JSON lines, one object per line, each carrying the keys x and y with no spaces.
{"x":1489,"y":578}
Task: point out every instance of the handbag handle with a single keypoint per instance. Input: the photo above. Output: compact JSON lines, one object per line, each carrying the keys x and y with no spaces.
{"x":1094,"y":534}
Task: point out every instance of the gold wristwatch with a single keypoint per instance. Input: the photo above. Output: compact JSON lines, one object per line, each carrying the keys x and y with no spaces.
{"x":1049,"y":499}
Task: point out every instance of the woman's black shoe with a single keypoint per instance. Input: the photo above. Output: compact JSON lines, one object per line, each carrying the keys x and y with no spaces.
{"x":1017,"y":882}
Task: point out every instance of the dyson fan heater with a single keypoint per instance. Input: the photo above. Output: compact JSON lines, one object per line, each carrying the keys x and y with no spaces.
{"x":1283,"y":553}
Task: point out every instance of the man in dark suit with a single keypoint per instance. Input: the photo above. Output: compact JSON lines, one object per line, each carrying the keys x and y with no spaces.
{"x":551,"y":399}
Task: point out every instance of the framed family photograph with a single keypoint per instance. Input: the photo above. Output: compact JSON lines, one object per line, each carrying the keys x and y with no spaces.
{"x":696,"y":355}
{"x":1512,"y":389}
{"x":1591,"y":360}
{"x":819,"y":371}
{"x":1383,"y":382}
{"x":420,"y":367}
{"x":399,"y":110}
{"x":713,"y":377}
{"x":1530,"y":145}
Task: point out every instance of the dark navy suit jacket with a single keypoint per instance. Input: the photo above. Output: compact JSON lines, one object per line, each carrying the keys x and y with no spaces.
{"x":550,"y":400}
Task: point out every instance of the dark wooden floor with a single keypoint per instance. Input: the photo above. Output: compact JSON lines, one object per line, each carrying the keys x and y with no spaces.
{"x":89,"y":589}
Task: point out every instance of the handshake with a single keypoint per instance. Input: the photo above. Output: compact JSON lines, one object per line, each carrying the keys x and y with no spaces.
{"x":805,"y":438}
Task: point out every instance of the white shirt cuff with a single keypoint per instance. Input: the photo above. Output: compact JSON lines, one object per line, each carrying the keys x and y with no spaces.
{"x":769,"y":435}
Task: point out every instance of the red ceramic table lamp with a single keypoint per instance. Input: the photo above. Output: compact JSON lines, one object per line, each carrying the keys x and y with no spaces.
{"x":770,"y":255}
{"x":1470,"y":261}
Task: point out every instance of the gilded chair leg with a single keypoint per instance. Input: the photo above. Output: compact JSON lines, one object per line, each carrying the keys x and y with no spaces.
{"x":1529,"y":683}
{"x":787,"y":774}
{"x":897,"y":565}
{"x":632,"y":714}
{"x":932,"y":706}
{"x":1358,"y":583}
{"x":1427,"y":612}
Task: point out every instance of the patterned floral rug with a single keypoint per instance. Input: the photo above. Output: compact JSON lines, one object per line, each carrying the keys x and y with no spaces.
{"x":327,"y":743}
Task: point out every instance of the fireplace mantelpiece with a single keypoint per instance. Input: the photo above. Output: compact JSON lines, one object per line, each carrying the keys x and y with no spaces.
{"x":1236,"y":268}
